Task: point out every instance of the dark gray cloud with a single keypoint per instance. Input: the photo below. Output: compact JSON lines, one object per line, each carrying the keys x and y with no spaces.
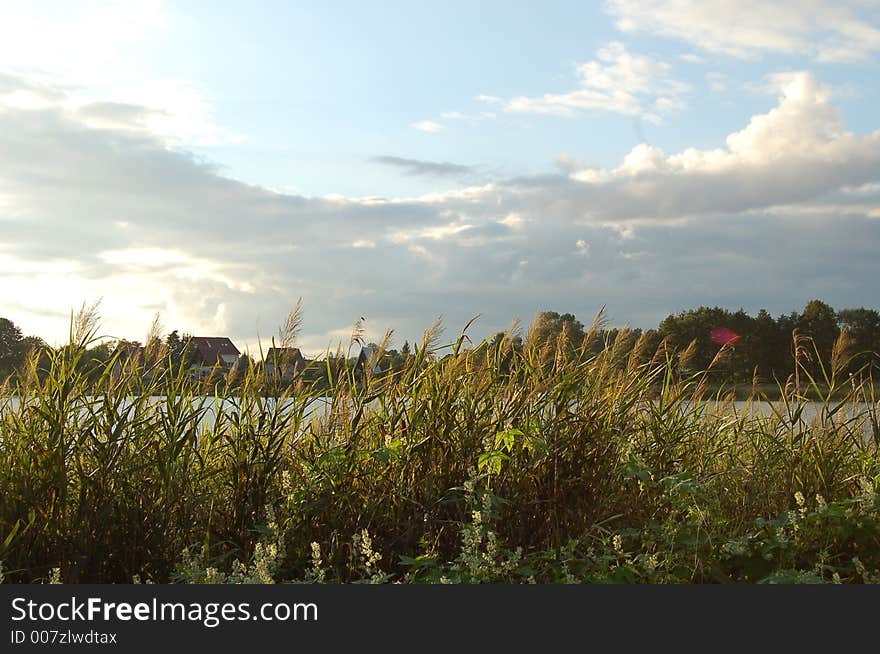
{"x":115,"y":213}
{"x":427,"y":168}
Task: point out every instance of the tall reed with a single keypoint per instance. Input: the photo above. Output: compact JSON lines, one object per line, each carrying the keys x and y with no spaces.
{"x":550,"y":461}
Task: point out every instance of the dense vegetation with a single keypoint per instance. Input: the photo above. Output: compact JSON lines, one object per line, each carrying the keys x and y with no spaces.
{"x":549,"y":457}
{"x":763,"y":351}
{"x":763,"y":348}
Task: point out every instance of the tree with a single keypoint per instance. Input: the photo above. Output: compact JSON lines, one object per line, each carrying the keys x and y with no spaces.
{"x":10,"y":345}
{"x":695,"y":326}
{"x":819,"y":321}
{"x":770,"y":347}
{"x":94,"y":360}
{"x":863,"y":327}
{"x":243,"y":364}
{"x":548,"y":326}
{"x":176,"y":347}
{"x":15,"y":347}
{"x":179,"y":350}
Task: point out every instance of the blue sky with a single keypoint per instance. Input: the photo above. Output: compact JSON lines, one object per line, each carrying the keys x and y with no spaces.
{"x":214,"y":161}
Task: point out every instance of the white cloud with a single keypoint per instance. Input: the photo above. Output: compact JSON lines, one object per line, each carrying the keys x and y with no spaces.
{"x":428,"y":126}
{"x":177,"y":110}
{"x":437,"y":233}
{"x":798,"y":150}
{"x":174,"y":110}
{"x":76,"y":41}
{"x":828,"y":30}
{"x":616,"y":81}
{"x":88,"y":54}
{"x":513,"y":220}
{"x":173,"y":261}
{"x":662,"y":231}
{"x":717,"y":81}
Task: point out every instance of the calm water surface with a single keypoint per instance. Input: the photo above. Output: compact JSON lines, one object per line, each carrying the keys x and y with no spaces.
{"x":811,"y":410}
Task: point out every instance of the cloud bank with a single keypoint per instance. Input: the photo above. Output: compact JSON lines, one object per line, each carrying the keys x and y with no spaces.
{"x":826,"y":30}
{"x":94,"y":203}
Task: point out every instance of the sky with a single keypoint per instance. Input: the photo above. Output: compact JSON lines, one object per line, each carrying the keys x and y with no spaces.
{"x":214,"y":162}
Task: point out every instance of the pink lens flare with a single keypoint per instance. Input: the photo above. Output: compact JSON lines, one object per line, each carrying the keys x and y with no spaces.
{"x":724,"y":336}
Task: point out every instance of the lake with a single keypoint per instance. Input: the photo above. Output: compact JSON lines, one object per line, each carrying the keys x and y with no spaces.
{"x":761,"y":409}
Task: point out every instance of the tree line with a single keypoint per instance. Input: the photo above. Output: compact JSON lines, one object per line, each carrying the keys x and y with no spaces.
{"x":758,"y":347}
{"x":755,"y":348}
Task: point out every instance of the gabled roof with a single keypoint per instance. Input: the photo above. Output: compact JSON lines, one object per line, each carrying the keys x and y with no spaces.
{"x":283,"y":353}
{"x":210,"y":349}
{"x":362,"y":359}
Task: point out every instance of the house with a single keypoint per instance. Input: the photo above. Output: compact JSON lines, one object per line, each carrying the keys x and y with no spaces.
{"x":210,"y":353}
{"x":367,"y":357}
{"x":283,"y":361}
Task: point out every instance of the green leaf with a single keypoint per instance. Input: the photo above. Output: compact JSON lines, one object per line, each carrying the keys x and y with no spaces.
{"x":492,"y":461}
{"x":8,"y":540}
{"x":507,"y":439}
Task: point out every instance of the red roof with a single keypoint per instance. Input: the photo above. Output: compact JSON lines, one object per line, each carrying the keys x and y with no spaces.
{"x":210,"y":349}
